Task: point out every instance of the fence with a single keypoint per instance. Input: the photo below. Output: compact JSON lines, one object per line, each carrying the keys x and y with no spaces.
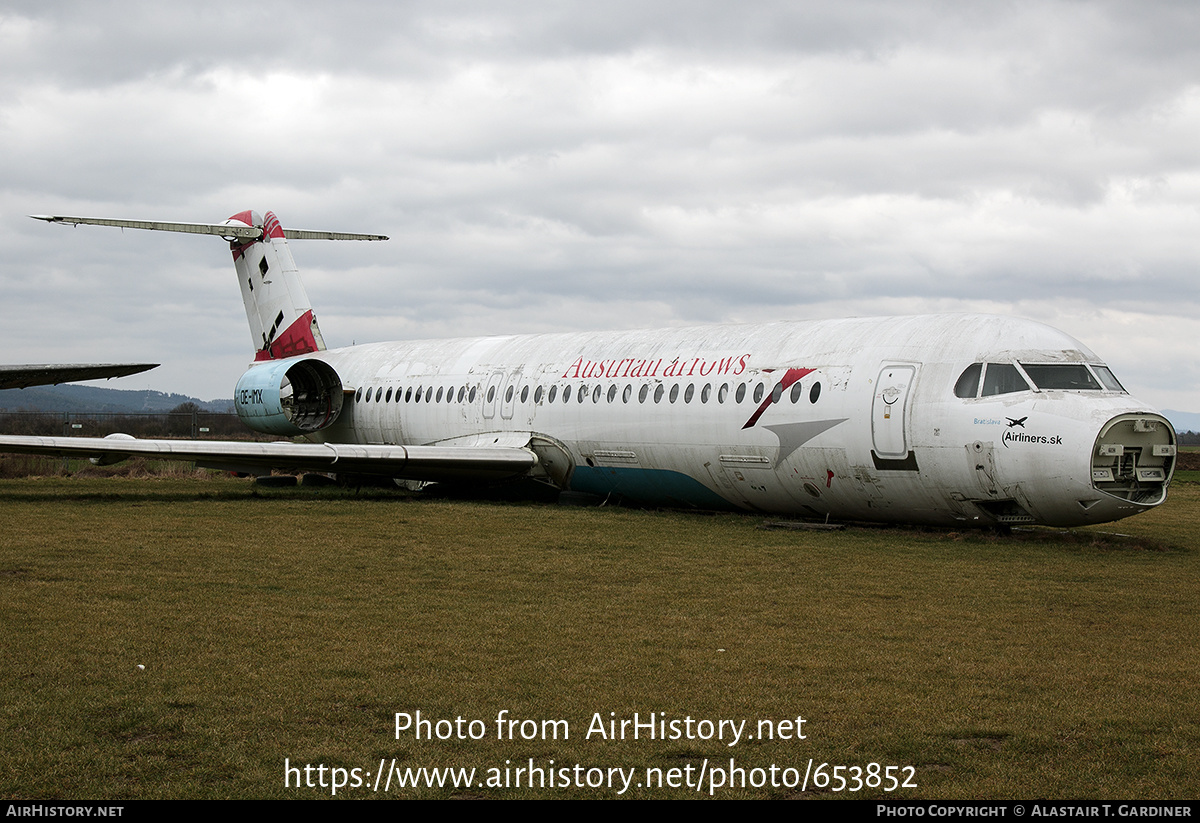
{"x":192,"y":425}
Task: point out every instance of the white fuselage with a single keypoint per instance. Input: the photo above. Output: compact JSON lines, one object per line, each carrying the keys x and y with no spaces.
{"x":852,"y":419}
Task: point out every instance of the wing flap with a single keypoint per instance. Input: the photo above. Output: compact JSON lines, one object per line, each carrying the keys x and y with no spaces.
{"x":428,"y":463}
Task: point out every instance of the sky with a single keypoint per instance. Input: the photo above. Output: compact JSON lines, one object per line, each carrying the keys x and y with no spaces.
{"x":552,"y":166}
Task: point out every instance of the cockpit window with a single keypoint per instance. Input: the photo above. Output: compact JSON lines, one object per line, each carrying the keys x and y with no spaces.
{"x":1071,"y":376}
{"x":1006,"y":378}
{"x":1002,"y":378}
{"x":968,"y":381}
{"x":1106,"y":377}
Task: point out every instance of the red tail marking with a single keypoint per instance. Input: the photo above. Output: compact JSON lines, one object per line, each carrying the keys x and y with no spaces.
{"x":789,"y":377}
{"x":246,"y":217}
{"x":271,"y":227}
{"x":296,"y":339}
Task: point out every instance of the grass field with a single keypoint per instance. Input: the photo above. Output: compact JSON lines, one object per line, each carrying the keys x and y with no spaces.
{"x":295,"y":624}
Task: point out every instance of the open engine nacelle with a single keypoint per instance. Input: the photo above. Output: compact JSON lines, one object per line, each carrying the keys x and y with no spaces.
{"x":289,"y":397}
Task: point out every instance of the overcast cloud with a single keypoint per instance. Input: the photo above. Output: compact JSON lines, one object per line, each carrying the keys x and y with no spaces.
{"x":554,"y":166}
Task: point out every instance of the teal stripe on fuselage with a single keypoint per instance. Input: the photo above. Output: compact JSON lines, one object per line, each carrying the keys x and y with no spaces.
{"x":654,"y":487}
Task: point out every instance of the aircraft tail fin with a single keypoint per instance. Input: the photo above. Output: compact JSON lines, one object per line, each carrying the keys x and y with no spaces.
{"x":282,"y":323}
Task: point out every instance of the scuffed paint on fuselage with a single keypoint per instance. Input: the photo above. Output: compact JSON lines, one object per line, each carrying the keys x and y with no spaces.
{"x":864,"y":422}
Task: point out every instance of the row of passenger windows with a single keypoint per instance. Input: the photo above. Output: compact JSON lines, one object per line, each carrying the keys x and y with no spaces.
{"x":1006,"y":378}
{"x":704,"y":392}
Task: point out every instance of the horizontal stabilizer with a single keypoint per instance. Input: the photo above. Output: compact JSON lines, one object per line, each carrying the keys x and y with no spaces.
{"x":228,"y":231}
{"x":307,"y":234}
{"x":427,"y":463}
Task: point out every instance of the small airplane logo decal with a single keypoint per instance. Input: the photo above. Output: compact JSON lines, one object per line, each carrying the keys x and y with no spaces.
{"x":1012,"y":421}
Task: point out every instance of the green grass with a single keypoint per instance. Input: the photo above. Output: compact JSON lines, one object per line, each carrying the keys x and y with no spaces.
{"x":295,"y":624}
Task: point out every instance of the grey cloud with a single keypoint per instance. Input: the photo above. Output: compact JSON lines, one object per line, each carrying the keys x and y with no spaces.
{"x":548,"y":166}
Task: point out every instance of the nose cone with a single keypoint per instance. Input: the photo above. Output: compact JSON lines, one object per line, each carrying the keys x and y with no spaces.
{"x":1133,"y":460}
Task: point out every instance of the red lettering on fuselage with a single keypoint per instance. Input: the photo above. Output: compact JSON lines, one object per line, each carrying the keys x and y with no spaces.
{"x":642,"y":367}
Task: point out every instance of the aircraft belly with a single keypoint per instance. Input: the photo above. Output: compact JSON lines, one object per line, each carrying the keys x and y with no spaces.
{"x":655,"y":487}
{"x":824,"y":479}
{"x":655,"y":473}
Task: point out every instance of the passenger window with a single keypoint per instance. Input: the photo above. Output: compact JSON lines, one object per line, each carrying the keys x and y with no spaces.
{"x":537,"y":395}
{"x":628,"y":393}
{"x":706,"y":392}
{"x":566,"y":393}
{"x":674,"y":392}
{"x":723,"y":393}
{"x":553,"y":393}
{"x":658,"y":393}
{"x":643,"y":392}
{"x":439,"y":394}
{"x":796,"y":390}
{"x":524,"y":393}
{"x":740,"y":395}
{"x":776,"y":392}
{"x":758,"y":393}
{"x":1002,"y":378}
{"x":472,"y":394}
{"x":688,"y":393}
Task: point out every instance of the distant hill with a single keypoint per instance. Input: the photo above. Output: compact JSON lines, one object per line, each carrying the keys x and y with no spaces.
{"x":1183,"y":421}
{"x":77,"y":398}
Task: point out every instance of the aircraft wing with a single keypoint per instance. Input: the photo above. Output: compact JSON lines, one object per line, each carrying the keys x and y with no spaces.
{"x":20,"y":377}
{"x":429,"y":463}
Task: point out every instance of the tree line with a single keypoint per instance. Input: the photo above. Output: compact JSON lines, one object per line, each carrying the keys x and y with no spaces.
{"x":187,"y":420}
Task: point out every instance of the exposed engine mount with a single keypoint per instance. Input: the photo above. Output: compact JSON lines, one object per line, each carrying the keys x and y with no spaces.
{"x":289,"y":397}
